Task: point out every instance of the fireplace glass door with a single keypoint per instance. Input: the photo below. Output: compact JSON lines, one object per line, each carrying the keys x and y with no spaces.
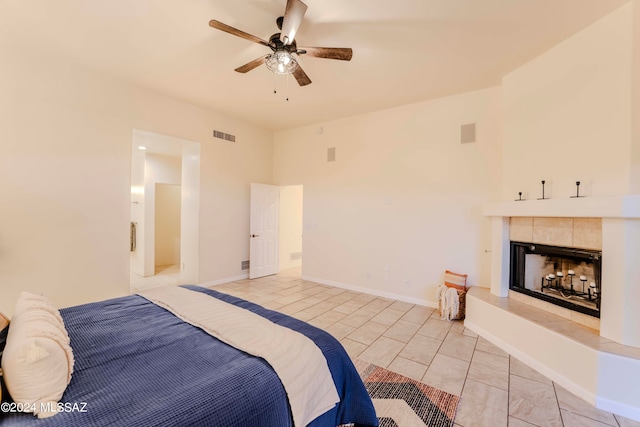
{"x":567,"y":277}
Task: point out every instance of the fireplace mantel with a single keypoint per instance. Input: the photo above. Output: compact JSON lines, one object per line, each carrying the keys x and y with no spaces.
{"x":583,"y":207}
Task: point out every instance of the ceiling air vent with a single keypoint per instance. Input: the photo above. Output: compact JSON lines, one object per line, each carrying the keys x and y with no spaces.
{"x":225,"y":136}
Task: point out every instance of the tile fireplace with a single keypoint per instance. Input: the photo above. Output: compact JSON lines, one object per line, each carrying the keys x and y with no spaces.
{"x":619,"y":230}
{"x":600,"y":364}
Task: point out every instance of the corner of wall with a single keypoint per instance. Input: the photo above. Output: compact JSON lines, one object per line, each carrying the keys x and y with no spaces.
{"x":635,"y":102}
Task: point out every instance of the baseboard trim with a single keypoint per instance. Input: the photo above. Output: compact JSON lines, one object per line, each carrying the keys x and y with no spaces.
{"x":226,"y":280}
{"x":375,"y":292}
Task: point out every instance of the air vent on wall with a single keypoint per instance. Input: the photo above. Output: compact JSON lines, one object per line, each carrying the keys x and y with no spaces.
{"x":468,"y":133}
{"x":244,"y":265}
{"x":295,"y":256}
{"x":225,"y":136}
{"x":331,"y":154}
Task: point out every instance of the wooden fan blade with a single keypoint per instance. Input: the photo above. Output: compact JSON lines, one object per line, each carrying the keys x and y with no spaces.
{"x":301,"y":76}
{"x":340,"y":53}
{"x":236,"y":32}
{"x":251,"y":65}
{"x":293,"y":14}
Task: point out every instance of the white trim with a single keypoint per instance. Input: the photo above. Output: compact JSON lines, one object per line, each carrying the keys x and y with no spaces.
{"x":533,"y":363}
{"x":584,"y":207}
{"x":223,"y":281}
{"x":375,"y":292}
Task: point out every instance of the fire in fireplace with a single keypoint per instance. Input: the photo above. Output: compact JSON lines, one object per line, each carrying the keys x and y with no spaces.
{"x":568,"y":277}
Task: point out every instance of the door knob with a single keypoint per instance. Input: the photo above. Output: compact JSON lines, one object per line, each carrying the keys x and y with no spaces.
{"x":254,"y":235}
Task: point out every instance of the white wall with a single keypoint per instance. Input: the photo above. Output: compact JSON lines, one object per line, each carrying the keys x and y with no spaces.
{"x":402,"y":202}
{"x":65,"y":163}
{"x":161,"y":169}
{"x":568,"y":114}
{"x":635,"y":112}
{"x":167,"y":224}
{"x":290,"y":225}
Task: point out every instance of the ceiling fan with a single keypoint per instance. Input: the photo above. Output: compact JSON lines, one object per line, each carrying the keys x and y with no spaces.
{"x":283,"y":45}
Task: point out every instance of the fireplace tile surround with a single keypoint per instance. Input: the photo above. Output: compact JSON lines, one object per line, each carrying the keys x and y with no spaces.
{"x":607,"y":374}
{"x":584,"y":233}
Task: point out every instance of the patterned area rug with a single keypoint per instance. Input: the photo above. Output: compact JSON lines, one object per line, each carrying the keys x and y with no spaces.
{"x":403,"y":402}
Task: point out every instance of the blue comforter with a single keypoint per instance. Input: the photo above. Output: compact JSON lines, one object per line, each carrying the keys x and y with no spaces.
{"x":139,"y":365}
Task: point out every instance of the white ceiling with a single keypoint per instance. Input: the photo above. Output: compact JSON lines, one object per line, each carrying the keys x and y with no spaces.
{"x":403,"y":50}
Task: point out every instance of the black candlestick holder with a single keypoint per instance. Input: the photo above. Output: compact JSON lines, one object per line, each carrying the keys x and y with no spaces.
{"x":583,"y":279}
{"x":543,"y":198}
{"x":520,"y":199}
{"x":571,"y":273}
{"x":577,"y":190}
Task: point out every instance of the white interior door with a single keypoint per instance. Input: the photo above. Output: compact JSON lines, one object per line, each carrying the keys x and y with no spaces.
{"x":264,"y":229}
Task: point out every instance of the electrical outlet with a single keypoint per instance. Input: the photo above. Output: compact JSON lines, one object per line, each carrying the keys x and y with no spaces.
{"x":407,"y":283}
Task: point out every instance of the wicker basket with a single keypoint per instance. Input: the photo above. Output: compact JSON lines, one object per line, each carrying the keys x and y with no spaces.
{"x":462,"y":298}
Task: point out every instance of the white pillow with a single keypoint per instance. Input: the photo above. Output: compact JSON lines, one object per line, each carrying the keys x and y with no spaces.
{"x":38,"y":361}
{"x":28,"y":300}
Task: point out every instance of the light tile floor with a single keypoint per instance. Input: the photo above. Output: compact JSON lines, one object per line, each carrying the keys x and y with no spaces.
{"x":496,"y":389}
{"x":165,"y":275}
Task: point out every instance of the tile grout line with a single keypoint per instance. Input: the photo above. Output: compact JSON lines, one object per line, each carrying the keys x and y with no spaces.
{"x":466,"y":376}
{"x":555,"y":394}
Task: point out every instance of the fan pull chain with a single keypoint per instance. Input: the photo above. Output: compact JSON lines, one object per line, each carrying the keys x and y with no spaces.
{"x":287,"y":91}
{"x":275,"y":86}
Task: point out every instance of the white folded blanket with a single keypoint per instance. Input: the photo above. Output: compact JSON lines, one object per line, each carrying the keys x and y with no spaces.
{"x":449,"y":302}
{"x":299,"y":363}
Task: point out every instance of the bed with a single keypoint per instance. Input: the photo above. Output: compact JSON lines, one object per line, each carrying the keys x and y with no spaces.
{"x":138,"y":364}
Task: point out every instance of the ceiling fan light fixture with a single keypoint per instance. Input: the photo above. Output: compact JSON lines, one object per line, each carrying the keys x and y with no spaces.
{"x":281,"y":62}
{"x":283,"y":44}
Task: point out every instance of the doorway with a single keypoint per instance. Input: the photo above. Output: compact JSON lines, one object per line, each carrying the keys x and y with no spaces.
{"x":275,"y":236}
{"x":291,"y":211}
{"x":167,"y":228}
{"x":165,"y":188}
